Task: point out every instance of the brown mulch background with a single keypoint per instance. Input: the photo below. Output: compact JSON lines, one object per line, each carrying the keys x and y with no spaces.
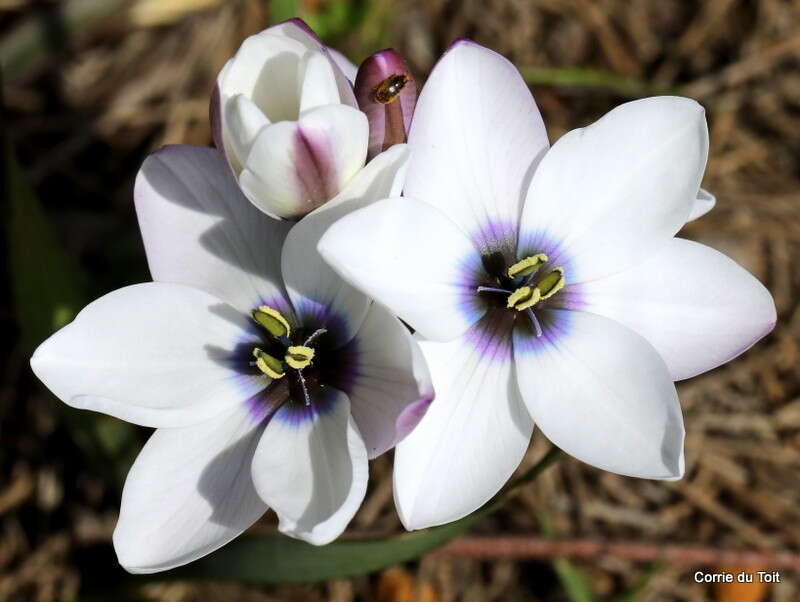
{"x":83,"y":119}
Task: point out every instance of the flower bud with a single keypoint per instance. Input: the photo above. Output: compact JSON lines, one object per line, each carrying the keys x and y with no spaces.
{"x":284,"y":114}
{"x":386,"y":92}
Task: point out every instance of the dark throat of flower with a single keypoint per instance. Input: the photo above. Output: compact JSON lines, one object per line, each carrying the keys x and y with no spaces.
{"x":285,"y":356}
{"x":524,"y":287}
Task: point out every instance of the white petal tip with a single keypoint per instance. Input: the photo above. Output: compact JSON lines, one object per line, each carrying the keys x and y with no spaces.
{"x":132,"y":563}
{"x":316,"y":537}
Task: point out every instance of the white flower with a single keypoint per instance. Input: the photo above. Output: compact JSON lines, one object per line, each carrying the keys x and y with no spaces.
{"x":269,"y":379}
{"x":501,"y":238}
{"x":284,"y":113}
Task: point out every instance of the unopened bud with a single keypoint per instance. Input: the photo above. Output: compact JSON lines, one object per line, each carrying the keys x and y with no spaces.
{"x":386,"y":93}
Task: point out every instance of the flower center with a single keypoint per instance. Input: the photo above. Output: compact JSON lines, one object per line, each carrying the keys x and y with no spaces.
{"x":282,"y":355}
{"x":525,"y":287}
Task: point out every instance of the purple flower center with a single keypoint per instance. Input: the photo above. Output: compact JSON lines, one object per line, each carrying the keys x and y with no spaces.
{"x":303,"y":362}
{"x":523,"y":287}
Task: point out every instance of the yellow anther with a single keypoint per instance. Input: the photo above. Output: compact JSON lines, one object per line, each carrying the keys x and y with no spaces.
{"x":523,"y":298}
{"x":527,"y":266}
{"x":299,"y":356}
{"x":271,"y":366}
{"x":272,"y":320}
{"x":551,"y":284}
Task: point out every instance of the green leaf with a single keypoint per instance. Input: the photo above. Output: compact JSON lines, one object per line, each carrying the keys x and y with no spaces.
{"x":279,"y":559}
{"x":574,"y":581}
{"x":44,"y":281}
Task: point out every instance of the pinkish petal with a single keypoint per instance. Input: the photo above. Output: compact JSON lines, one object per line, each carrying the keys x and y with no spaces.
{"x":387,"y":380}
{"x":294,"y":167}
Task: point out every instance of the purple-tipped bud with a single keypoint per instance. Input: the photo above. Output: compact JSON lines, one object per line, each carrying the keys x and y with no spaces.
{"x":386,"y":92}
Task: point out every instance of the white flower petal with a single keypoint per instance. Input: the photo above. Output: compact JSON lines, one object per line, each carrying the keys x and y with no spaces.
{"x":152,"y":354}
{"x":387,"y":381}
{"x":311,"y":467}
{"x":188,"y":493}
{"x":244,"y":120}
{"x":297,"y":29}
{"x":704,"y":203}
{"x":601,"y":393}
{"x":475,"y":137}
{"x":317,"y":292}
{"x":294,"y":167}
{"x":475,"y":432}
{"x":348,"y":69}
{"x":412,"y":258}
{"x":606,"y":196}
{"x":697,"y":307}
{"x":199,"y":230}
{"x":266,"y":69}
{"x":318,"y":87}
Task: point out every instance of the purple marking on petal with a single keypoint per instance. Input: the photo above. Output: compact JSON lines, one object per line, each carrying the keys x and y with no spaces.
{"x":473,"y":275}
{"x":572,"y":296}
{"x":312,"y":314}
{"x":496,"y":236}
{"x":409,"y":418}
{"x":294,"y":412}
{"x":491,"y":336}
{"x":539,"y":241}
{"x":312,"y":156}
{"x":556,"y":324}
{"x":343,"y":371}
{"x":281,"y":304}
{"x":215,"y":116}
{"x":300,"y":24}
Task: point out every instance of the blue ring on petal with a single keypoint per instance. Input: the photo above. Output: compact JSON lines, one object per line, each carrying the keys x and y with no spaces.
{"x":491,"y":336}
{"x":294,"y":413}
{"x":496,"y":236}
{"x":530,"y":243}
{"x":313,"y":314}
{"x":473,"y":274}
{"x":556,"y":326}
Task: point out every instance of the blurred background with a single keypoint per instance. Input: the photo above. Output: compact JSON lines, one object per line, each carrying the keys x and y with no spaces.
{"x":90,"y":87}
